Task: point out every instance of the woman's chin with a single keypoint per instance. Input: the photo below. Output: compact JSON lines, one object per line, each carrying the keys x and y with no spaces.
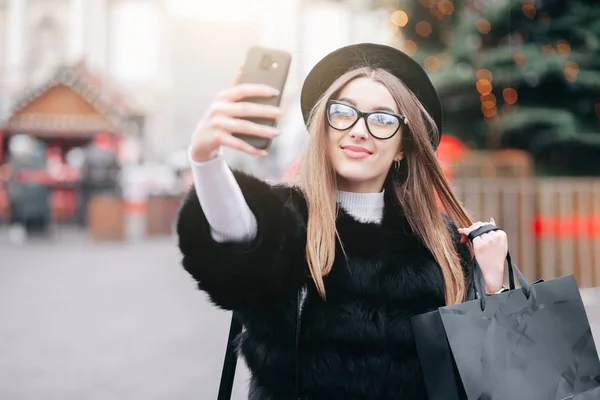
{"x":353,"y":175}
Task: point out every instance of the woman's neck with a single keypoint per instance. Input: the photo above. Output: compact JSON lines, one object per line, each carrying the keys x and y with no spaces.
{"x":374,"y":185}
{"x":364,"y":207}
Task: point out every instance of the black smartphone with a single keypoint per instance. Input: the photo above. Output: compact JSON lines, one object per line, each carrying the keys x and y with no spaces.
{"x":269,"y":67}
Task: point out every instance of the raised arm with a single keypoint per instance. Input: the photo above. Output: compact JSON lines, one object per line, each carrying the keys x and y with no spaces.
{"x":222,"y":201}
{"x":241,"y":239}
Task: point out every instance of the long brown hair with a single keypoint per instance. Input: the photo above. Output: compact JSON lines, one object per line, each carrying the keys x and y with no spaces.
{"x":418,"y":190}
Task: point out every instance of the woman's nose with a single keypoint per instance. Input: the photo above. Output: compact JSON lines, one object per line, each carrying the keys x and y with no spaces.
{"x":359,"y":130}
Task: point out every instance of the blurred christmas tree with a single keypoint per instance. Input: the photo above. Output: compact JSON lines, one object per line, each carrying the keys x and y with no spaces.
{"x":514,"y":73}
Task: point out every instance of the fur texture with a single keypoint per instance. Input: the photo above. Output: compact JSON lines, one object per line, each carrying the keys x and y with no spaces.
{"x":358,"y":344}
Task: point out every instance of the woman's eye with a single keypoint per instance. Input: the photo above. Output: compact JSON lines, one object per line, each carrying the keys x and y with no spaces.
{"x":382,"y":119}
{"x":342,"y":111}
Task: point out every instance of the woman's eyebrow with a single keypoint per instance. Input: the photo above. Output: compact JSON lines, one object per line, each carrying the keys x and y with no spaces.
{"x":378,"y":108}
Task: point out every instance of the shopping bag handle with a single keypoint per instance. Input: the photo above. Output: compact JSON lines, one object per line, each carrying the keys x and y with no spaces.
{"x":478,"y":279}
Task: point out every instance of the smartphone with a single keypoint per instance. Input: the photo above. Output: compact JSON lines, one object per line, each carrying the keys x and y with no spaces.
{"x":269,"y":67}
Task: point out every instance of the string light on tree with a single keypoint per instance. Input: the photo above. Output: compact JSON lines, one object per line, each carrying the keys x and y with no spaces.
{"x":409,"y":47}
{"x":488,"y":101}
{"x":484,"y":74}
{"x":483,"y":26}
{"x":399,"y":18}
{"x":432,"y":63}
{"x":529,"y":11}
{"x":423,"y":28}
{"x":571,"y":71}
{"x":534,"y":51}
{"x":446,"y":7}
{"x":489,"y":112}
{"x":510,"y":95}
{"x":563,"y":48}
{"x":488,"y":105}
{"x":484,"y":87}
{"x":437,"y":14}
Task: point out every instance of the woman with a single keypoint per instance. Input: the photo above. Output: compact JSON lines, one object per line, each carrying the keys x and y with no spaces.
{"x":361,"y":236}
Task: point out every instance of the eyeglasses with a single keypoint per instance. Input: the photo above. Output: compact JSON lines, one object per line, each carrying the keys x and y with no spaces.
{"x":380,"y":124}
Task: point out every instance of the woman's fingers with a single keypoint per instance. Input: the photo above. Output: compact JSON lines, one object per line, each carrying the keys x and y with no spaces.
{"x":225,"y":139}
{"x":465,"y":231}
{"x":245,"y":90}
{"x":224,"y":117}
{"x":238,"y":74}
{"x":246,"y":110}
{"x":233,"y":125}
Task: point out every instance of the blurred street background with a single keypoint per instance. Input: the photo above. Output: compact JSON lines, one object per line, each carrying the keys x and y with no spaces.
{"x":98,"y":101}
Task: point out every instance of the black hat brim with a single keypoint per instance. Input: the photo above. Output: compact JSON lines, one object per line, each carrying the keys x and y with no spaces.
{"x":401,"y":65}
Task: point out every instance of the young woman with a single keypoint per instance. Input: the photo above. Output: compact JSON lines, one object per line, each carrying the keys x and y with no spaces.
{"x":361,"y":236}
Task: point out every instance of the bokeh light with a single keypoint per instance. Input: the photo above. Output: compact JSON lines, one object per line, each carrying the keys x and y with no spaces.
{"x":488,"y":104}
{"x":510,"y":95}
{"x":423,"y":28}
{"x":484,"y":87}
{"x":529,"y":11}
{"x":563,"y":48}
{"x":446,"y":7}
{"x":571,"y":71}
{"x":432,"y":63}
{"x":409,"y":47}
{"x":484,"y":74}
{"x":489,"y":97}
{"x":399,"y":18}
{"x":483,"y":26}
{"x":489,"y":112}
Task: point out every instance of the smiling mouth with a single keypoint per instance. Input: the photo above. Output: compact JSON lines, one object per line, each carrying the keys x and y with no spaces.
{"x":355,"y":152}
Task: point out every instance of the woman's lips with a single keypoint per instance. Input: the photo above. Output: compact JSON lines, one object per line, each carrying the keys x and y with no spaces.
{"x":355,"y":152}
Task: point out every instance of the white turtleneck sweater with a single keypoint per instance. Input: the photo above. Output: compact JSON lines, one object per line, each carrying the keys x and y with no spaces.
{"x":229,"y":216}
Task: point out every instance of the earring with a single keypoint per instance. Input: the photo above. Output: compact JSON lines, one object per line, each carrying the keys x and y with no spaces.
{"x":397,"y":165}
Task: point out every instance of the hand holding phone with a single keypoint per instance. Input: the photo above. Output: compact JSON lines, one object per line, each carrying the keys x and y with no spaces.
{"x":268,"y":67}
{"x":243,"y":116}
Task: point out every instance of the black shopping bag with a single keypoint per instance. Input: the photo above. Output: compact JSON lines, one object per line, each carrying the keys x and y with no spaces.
{"x":593,"y":394}
{"x":532,"y":343}
{"x":439,"y":369}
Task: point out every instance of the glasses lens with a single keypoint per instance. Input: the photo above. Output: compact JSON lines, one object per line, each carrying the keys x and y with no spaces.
{"x":341,"y":116}
{"x":383,"y":125}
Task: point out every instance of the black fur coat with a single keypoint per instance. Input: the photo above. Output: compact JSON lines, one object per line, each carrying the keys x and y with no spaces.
{"x":356,"y":345}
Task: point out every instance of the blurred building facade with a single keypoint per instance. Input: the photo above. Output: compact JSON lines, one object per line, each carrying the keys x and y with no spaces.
{"x":121,"y":42}
{"x":170,"y":57}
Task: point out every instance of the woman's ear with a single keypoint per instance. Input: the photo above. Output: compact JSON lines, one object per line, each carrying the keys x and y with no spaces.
{"x":399,"y":156}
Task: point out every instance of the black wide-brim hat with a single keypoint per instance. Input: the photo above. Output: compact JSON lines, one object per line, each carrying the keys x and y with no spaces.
{"x":401,"y":65}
